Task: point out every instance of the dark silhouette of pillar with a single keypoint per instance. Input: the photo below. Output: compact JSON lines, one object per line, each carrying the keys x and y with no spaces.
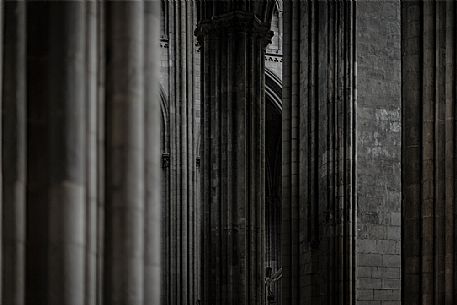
{"x":233,"y":155}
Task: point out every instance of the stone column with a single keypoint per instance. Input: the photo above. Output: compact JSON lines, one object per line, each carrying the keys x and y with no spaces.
{"x":101,"y":148}
{"x":1,"y":178}
{"x":152,"y":214}
{"x":91,"y":97}
{"x":14,"y":153}
{"x":319,"y":187}
{"x":53,"y":119}
{"x":233,"y":156}
{"x":37,"y":154}
{"x":67,"y":154}
{"x":429,"y":150}
{"x":125,"y":107}
{"x":183,"y":108}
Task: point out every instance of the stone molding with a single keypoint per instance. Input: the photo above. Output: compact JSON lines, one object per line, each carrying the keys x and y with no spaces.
{"x":273,"y":58}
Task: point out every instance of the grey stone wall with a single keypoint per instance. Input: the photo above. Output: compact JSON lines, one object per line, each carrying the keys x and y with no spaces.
{"x":378,"y":153}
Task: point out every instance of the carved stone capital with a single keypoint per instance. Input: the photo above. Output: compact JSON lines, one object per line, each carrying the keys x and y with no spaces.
{"x":234,"y":22}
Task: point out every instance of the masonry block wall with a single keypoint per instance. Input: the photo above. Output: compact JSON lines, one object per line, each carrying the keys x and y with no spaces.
{"x":378,"y":153}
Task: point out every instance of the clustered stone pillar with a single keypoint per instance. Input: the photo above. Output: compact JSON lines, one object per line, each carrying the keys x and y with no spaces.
{"x":318,"y":195}
{"x":80,"y":212}
{"x":429,"y":150}
{"x":233,"y":156}
{"x":92,"y":81}
{"x":182,"y":207}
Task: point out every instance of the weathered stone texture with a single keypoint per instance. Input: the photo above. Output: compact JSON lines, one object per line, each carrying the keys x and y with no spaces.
{"x":378,"y":151}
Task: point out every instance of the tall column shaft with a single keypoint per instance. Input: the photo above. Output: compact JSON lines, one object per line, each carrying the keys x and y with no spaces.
{"x":67,"y":142}
{"x":14,"y":153}
{"x":68,"y":159}
{"x":91,"y":97}
{"x":1,"y":178}
{"x":181,"y":208}
{"x":429,"y":150}
{"x":56,"y":156}
{"x":101,"y":149}
{"x":233,"y":156}
{"x":125,"y":102}
{"x":152,"y":215}
{"x":319,"y":202}
{"x":37,"y":201}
